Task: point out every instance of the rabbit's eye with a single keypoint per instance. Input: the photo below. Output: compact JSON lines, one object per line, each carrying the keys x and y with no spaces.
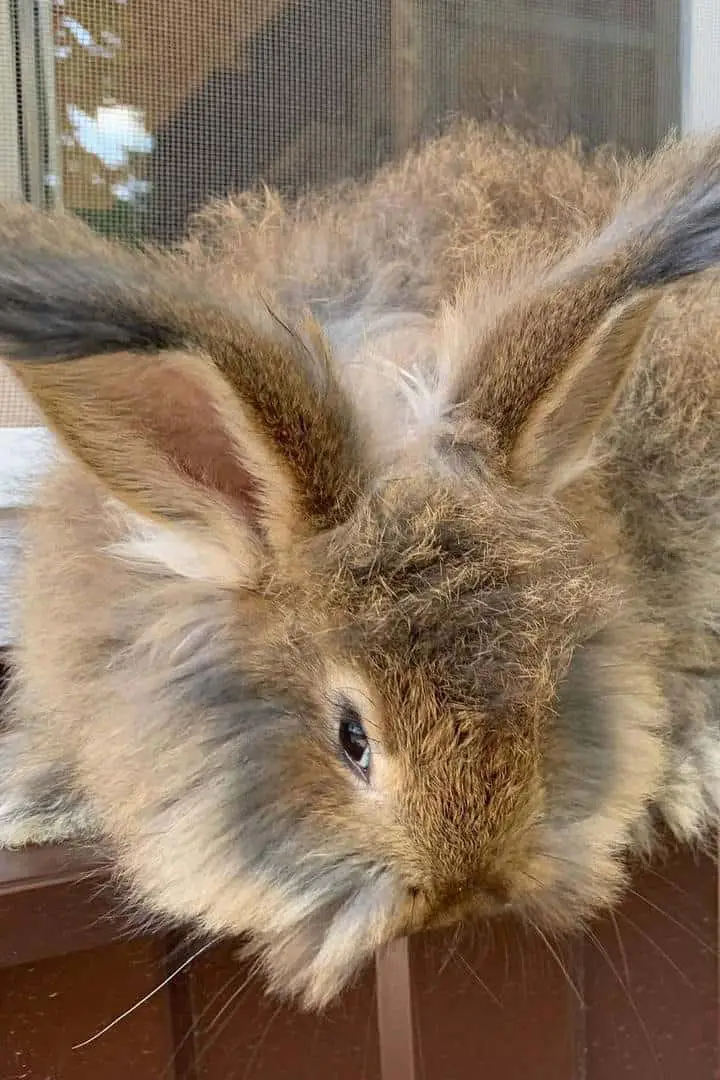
{"x":353,"y":740}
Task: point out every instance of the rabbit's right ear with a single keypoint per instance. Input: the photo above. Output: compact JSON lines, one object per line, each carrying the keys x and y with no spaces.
{"x":222,"y":430}
{"x":552,"y":444}
{"x":549,"y":367}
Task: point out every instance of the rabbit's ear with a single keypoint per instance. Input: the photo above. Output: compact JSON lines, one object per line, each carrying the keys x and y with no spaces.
{"x":553,"y":443}
{"x":203,"y":417}
{"x":559,"y":346}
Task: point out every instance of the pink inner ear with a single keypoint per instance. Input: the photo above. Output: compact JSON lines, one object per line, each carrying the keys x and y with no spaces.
{"x":179,"y":418}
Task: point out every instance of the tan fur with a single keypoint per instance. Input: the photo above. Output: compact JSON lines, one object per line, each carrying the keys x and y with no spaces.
{"x":441,"y":448}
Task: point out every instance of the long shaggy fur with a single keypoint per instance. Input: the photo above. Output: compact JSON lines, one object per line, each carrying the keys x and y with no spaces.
{"x":441,"y":449}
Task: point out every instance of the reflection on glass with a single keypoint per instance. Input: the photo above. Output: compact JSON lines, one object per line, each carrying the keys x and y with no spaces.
{"x":162,"y":104}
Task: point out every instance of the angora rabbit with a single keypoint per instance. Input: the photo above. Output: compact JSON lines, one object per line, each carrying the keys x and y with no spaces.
{"x":377,"y":585}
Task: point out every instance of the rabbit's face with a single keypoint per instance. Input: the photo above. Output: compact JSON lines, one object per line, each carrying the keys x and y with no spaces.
{"x":378,"y":746}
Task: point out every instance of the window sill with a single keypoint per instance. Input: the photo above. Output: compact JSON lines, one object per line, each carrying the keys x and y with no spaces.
{"x":56,"y":901}
{"x":42,"y":867}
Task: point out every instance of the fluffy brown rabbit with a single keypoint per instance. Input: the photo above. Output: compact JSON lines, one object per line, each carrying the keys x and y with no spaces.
{"x":380,"y":586}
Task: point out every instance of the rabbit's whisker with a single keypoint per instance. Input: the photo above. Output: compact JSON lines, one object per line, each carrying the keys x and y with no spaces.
{"x":625,"y":986}
{"x":560,"y":963}
{"x":658,"y":948}
{"x":468,"y":967}
{"x":143,"y":1000}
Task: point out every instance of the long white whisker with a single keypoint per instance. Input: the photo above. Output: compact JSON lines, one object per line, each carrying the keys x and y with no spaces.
{"x":143,"y":1000}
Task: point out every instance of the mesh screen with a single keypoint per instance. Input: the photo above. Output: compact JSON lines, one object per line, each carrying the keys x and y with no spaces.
{"x":133,"y":112}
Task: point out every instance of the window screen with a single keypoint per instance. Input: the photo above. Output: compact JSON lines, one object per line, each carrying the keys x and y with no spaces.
{"x":131,"y":113}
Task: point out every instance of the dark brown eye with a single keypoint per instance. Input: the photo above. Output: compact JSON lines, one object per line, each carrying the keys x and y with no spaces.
{"x":354,"y":742}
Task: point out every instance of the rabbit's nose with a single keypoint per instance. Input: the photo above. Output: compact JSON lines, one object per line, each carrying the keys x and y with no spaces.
{"x":444,"y":903}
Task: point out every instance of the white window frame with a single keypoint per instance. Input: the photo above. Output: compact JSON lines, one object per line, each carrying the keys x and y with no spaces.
{"x":700,"y":65}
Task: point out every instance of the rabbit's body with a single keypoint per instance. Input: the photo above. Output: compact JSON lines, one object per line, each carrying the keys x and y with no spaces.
{"x":341,"y":628}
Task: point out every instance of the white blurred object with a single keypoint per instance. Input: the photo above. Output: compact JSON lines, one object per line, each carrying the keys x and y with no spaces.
{"x":25,"y":455}
{"x":700,"y":46}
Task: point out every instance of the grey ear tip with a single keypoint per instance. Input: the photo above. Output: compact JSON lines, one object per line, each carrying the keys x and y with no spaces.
{"x":54,"y":309}
{"x":687,"y":239}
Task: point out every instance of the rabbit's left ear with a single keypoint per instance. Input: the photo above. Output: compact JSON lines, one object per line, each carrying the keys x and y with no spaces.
{"x":209,"y":419}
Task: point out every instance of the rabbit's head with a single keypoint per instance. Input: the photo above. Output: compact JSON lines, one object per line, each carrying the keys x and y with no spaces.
{"x":317,"y":687}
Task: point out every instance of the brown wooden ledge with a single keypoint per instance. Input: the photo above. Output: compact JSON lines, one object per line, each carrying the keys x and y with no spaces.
{"x":54,"y":900}
{"x":43,"y":867}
